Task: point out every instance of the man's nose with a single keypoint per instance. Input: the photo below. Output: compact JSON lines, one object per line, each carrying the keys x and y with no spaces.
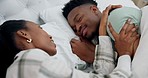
{"x":78,"y":27}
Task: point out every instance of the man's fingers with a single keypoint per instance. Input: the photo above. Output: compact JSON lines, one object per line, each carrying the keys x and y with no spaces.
{"x":83,"y":39}
{"x":74,"y":40}
{"x":112,"y":31}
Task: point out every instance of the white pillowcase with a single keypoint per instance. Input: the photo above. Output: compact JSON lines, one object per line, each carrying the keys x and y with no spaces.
{"x":55,"y":15}
{"x":22,"y":9}
{"x":57,"y":2}
{"x":64,"y":52}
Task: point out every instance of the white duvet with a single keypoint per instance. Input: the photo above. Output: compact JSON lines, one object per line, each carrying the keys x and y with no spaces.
{"x":140,"y":61}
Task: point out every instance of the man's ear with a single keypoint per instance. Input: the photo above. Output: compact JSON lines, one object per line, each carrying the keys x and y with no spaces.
{"x":23,"y":34}
{"x":94,"y":9}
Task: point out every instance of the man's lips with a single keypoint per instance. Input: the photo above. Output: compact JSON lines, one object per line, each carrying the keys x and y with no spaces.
{"x":84,"y":30}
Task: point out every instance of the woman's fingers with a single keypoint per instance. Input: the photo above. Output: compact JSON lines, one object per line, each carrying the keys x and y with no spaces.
{"x":127,"y":27}
{"x":113,"y":32}
{"x":131,"y":25}
{"x":132,"y":35}
{"x":104,"y":18}
{"x":103,"y":23}
{"x":116,"y":6}
{"x":135,"y":33}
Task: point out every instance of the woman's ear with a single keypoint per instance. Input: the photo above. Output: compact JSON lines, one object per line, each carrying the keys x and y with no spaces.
{"x":23,"y":34}
{"x":94,"y":9}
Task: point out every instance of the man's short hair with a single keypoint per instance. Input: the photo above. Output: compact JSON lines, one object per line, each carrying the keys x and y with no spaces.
{"x":74,"y":3}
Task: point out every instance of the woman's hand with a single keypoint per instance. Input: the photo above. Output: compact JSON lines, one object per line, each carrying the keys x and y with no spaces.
{"x":125,"y":39}
{"x":104,"y":18}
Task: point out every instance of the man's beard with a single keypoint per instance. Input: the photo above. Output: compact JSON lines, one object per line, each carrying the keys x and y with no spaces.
{"x":94,"y":34}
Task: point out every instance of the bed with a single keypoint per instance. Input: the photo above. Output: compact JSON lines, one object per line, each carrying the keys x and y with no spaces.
{"x":47,"y":13}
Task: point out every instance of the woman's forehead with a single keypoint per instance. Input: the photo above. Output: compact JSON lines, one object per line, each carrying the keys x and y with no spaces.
{"x":31,"y":24}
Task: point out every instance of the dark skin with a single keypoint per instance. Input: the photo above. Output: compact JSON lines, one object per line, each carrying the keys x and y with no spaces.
{"x":130,"y":38}
{"x":84,"y":48}
{"x":81,"y":47}
{"x":42,"y":41}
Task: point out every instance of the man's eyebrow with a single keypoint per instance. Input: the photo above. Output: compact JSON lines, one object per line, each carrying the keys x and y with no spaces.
{"x":76,"y":17}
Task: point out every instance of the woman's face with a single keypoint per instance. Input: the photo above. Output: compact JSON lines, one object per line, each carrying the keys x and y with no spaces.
{"x":40,"y":39}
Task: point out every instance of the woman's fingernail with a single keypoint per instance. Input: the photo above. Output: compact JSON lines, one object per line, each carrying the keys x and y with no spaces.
{"x":130,"y":22}
{"x":129,"y":19}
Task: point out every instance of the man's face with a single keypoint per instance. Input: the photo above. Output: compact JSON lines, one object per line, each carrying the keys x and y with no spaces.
{"x":85,"y":20}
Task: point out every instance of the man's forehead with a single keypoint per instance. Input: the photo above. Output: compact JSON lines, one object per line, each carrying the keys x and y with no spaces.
{"x":73,"y":12}
{"x":78,"y":9}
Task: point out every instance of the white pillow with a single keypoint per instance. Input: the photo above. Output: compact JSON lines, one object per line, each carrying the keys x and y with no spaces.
{"x":23,"y":14}
{"x":57,"y":2}
{"x":55,"y":15}
{"x":22,"y":9}
{"x":102,"y":4}
{"x":64,"y":52}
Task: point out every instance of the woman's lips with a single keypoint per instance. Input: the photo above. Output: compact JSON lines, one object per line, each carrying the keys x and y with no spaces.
{"x":53,"y":43}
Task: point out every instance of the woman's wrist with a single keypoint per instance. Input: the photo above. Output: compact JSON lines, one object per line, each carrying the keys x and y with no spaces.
{"x":125,"y":53}
{"x":102,"y":31}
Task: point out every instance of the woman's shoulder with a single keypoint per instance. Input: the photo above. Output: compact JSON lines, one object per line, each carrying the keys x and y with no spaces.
{"x":32,"y":54}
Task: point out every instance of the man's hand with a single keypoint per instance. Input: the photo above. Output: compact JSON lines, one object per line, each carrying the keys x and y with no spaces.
{"x":104,"y":18}
{"x":83,"y":49}
{"x":125,"y":39}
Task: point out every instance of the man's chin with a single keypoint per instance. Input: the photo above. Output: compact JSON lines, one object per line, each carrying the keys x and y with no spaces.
{"x":90,"y":37}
